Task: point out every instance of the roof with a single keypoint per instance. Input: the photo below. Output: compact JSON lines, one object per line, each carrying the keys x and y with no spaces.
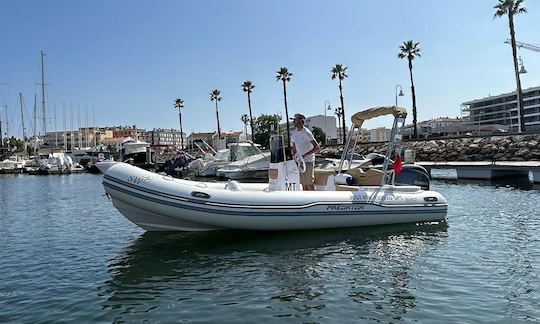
{"x":193,"y":134}
{"x":202,"y":134}
{"x":500,"y":95}
{"x":115,"y":139}
{"x":444,"y":119}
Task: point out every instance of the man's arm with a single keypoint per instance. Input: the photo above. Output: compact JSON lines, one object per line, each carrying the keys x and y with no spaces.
{"x":315,"y":148}
{"x":293,"y":149}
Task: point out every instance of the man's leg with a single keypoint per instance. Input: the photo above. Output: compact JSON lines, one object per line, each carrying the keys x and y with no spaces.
{"x":309,"y":177}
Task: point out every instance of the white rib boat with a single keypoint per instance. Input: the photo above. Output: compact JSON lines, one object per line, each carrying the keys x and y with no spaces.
{"x":155,"y":202}
{"x":162,"y":203}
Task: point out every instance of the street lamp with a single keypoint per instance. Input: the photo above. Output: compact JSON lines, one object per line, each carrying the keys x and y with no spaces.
{"x":400,"y":92}
{"x":522,"y":68}
{"x":339,"y":113}
{"x":326,"y":107}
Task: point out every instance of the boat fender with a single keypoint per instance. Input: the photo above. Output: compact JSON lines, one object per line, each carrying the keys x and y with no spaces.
{"x":233,"y":186}
{"x":343,"y":179}
{"x":299,"y":159}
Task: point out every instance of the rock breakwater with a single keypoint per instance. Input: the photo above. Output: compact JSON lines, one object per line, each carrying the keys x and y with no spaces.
{"x":493,"y":148}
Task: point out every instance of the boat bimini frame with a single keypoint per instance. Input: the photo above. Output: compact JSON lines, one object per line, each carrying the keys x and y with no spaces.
{"x":394,"y":144}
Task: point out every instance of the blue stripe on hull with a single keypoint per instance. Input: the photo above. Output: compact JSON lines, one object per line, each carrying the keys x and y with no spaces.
{"x":186,"y":204}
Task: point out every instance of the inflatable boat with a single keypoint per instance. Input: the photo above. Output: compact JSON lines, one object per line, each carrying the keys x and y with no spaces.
{"x":161,"y":203}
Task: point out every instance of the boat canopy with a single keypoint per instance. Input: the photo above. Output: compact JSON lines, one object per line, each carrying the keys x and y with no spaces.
{"x":360,"y":116}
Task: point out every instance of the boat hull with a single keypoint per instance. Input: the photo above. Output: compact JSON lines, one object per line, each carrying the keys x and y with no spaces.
{"x":160,"y":203}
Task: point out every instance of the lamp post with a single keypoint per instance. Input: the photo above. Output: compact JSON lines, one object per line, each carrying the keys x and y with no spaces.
{"x":339,"y":112}
{"x":519,"y":96}
{"x":400,"y":92}
{"x":522,"y":67}
{"x":326,"y":107}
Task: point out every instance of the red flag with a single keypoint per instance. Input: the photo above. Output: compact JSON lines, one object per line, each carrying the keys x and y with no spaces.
{"x":398,"y":167}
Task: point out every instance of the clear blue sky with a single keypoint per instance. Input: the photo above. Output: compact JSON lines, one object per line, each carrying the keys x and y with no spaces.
{"x":131,"y":59}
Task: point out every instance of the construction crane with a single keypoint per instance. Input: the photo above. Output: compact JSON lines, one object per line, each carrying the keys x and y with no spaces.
{"x":525,"y":45}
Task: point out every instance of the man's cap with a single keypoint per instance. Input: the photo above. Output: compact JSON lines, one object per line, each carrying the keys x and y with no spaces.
{"x":299,"y":116}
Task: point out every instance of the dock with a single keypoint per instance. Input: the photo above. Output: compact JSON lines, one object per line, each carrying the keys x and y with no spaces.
{"x":488,"y":170}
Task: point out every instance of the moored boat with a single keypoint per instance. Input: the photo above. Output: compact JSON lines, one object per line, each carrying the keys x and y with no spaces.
{"x":155,"y":202}
{"x":161,"y":203}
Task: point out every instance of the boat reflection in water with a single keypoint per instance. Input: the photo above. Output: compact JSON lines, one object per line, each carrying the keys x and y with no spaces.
{"x":365,"y":273}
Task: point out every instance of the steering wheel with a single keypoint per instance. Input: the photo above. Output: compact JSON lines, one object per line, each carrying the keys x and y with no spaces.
{"x":300,"y":163}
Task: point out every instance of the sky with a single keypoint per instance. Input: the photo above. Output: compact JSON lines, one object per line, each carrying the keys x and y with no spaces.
{"x":126,"y":61}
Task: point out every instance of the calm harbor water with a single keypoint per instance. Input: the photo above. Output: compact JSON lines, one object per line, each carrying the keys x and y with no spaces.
{"x":67,"y":255}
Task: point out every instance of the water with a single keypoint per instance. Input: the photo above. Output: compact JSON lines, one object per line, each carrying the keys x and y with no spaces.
{"x":66,"y":255}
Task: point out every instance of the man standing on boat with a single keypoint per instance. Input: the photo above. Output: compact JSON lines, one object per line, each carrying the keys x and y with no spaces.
{"x":304,"y":144}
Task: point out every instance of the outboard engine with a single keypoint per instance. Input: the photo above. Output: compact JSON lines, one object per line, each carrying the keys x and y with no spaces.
{"x":181,"y":162}
{"x":414,"y":175}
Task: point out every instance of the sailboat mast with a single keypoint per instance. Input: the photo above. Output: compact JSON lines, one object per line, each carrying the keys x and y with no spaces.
{"x":35,"y":114}
{"x":43,"y":94}
{"x":55,"y":128}
{"x":22,"y":122}
{"x":64,"y":135}
{"x":1,"y":135}
{"x":7,"y":123}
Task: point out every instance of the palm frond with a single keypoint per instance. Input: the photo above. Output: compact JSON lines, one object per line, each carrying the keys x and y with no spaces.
{"x":409,"y":49}
{"x":247,"y":86}
{"x":283,"y":74}
{"x":178,"y":103}
{"x":215,"y":95}
{"x":338,"y":71}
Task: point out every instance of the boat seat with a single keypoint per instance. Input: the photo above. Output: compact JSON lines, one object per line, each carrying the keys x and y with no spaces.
{"x":371,"y":177}
{"x":321,"y":176}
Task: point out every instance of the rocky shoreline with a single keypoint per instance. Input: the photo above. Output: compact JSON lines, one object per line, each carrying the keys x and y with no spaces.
{"x":493,"y":148}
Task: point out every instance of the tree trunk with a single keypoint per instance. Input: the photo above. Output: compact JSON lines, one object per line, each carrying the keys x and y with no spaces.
{"x":415,"y":134}
{"x":286,"y":114}
{"x":339,"y":118}
{"x":342,"y":112}
{"x":181,"y":132}
{"x":519,"y":93}
{"x":250,"y":116}
{"x":217,"y":117}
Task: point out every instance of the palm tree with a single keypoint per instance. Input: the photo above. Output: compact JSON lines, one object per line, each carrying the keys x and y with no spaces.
{"x":245,"y":119}
{"x":248,"y":87}
{"x":284,"y":75}
{"x":338,"y":72}
{"x":410,"y":50}
{"x":179,"y":103}
{"x":512,"y":8}
{"x":215,"y":95}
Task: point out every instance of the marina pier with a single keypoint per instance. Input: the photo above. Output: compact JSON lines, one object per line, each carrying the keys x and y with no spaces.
{"x":488,"y":170}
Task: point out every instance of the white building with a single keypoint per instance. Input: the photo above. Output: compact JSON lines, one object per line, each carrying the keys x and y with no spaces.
{"x":379,"y":134}
{"x":326,"y":123}
{"x":165,"y":137}
{"x":82,"y":137}
{"x":502,"y":110}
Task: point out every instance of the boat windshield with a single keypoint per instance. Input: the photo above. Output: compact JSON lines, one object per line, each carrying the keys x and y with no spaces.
{"x":239,"y":152}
